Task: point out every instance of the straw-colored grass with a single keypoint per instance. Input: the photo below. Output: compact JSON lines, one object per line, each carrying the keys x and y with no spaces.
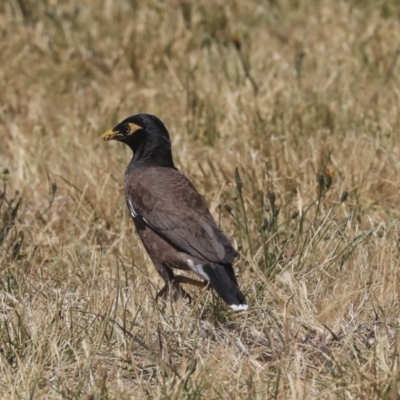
{"x":301,"y":98}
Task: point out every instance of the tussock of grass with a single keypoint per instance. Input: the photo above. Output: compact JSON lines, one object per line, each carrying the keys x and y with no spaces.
{"x":285,"y":115}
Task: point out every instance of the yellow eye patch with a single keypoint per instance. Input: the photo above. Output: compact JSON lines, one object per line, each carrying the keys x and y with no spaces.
{"x":133,"y":127}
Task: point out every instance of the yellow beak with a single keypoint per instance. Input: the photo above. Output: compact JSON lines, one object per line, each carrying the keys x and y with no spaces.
{"x":110,"y":135}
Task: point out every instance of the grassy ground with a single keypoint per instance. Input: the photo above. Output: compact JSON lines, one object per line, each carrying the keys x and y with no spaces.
{"x":301,"y":98}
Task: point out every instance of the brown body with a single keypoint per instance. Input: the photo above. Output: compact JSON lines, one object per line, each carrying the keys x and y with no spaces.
{"x":179,"y":215}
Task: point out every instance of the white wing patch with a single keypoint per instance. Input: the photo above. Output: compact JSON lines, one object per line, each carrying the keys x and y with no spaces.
{"x":198,"y":269}
{"x":132,"y":210}
{"x":134,"y":213}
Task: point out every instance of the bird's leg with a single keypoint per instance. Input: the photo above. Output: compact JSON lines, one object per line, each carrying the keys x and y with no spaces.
{"x":190,"y":281}
{"x":171,"y":284}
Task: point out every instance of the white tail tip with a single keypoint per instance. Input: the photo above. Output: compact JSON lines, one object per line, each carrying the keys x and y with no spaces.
{"x":239,"y":307}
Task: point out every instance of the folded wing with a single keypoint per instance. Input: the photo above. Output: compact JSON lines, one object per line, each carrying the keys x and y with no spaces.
{"x":181,"y":216}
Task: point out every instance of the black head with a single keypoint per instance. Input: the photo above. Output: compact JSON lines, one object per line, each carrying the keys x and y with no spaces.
{"x":148,"y":138}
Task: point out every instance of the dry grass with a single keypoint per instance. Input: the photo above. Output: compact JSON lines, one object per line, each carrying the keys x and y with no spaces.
{"x":282,"y":90}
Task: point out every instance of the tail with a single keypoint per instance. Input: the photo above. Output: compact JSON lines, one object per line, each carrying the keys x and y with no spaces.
{"x":223,"y":280}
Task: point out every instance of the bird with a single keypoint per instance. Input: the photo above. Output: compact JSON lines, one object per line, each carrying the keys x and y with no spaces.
{"x":171,"y":217}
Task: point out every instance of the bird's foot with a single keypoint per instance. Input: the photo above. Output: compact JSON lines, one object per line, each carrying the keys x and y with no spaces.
{"x":175,"y":291}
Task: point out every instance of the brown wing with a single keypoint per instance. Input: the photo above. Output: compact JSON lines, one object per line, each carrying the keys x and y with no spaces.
{"x":170,"y":205}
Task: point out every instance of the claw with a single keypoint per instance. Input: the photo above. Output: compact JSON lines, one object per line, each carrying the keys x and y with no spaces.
{"x":175,"y":290}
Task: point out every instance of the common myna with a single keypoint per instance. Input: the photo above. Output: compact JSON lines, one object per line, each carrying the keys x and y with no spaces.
{"x":170,"y":216}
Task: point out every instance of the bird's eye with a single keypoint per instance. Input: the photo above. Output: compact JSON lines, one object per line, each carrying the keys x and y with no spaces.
{"x":126,"y":129}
